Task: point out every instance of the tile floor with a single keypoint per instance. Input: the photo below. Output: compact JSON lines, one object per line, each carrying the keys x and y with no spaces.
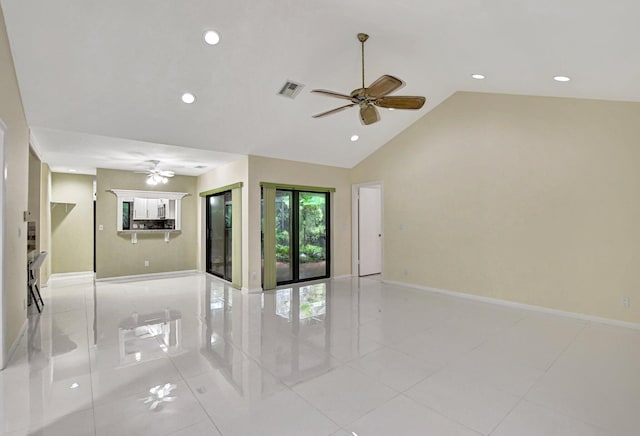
{"x":188,"y":355}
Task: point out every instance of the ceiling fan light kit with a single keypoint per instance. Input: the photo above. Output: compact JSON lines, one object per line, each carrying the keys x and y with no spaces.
{"x":375,"y":95}
{"x":155,"y":175}
{"x":156,"y":179}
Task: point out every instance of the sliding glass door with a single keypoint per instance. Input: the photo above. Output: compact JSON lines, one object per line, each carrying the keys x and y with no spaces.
{"x":219,"y":235}
{"x":302,"y":235}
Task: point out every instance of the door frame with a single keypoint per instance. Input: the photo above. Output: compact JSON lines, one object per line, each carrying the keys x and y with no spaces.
{"x":355,"y":230}
{"x":295,"y":233}
{"x":3,"y":192}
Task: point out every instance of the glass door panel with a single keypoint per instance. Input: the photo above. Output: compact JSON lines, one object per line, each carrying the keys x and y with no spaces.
{"x":228,"y":259}
{"x":312,"y":235}
{"x":219,"y":235}
{"x":284,"y":222}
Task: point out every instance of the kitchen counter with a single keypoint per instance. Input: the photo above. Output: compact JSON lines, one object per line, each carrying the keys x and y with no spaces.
{"x":149,"y":231}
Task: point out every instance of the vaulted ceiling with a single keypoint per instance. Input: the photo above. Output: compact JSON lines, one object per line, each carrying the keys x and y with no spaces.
{"x":101,"y":81}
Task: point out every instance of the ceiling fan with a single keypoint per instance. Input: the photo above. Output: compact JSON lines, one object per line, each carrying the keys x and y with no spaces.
{"x":375,"y":95}
{"x":155,"y":175}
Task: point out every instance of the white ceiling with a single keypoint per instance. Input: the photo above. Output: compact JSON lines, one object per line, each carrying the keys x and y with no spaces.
{"x":117,"y":69}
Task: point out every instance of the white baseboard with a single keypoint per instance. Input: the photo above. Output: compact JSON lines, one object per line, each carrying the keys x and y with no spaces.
{"x":513,"y":304}
{"x":343,"y":276}
{"x":151,"y":276}
{"x":13,"y":347}
{"x":68,"y":275}
{"x":215,"y":277}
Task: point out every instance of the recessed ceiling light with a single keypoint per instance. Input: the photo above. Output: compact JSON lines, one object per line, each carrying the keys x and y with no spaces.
{"x":478,"y":76}
{"x":561,"y":78}
{"x":71,"y":170}
{"x":188,"y":98}
{"x":392,"y":109}
{"x":354,"y":138}
{"x":211,"y":37}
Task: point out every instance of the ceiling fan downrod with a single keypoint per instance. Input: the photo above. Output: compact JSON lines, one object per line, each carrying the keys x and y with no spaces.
{"x":362,"y":37}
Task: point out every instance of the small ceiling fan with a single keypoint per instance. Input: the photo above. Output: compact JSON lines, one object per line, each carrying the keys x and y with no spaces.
{"x":375,"y":95}
{"x":155,"y":175}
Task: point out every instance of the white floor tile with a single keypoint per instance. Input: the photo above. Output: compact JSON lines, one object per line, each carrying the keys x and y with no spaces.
{"x":606,"y":401}
{"x":392,"y":368}
{"x":345,"y":394}
{"x":112,"y":380}
{"x":464,"y":398}
{"x":366,"y":358}
{"x":404,"y":417}
{"x":440,"y":345}
{"x":159,"y":412}
{"x":204,"y":428}
{"x":528,"y":419}
{"x":255,"y":403}
{"x":536,"y":341}
{"x":497,"y":371}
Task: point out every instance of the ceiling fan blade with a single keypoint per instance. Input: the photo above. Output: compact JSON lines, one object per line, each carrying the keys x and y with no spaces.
{"x":141,"y":172}
{"x":384,"y":85}
{"x":333,"y":111}
{"x":334,"y":94}
{"x":167,"y":173}
{"x":400,"y":102}
{"x":369,"y":114}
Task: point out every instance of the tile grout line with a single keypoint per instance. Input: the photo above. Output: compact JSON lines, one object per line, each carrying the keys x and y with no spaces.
{"x":86,"y":332}
{"x":290,"y":388}
{"x":522,"y":398}
{"x":546,"y":407}
{"x":184,"y":380}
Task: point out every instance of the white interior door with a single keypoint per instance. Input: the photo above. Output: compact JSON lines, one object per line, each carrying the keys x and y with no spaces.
{"x":2,"y":200}
{"x":370,"y":230}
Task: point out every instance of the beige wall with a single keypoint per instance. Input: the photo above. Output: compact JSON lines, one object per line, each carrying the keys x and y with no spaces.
{"x":117,"y":256}
{"x":45,"y":221}
{"x":71,"y":223}
{"x":34,"y":193}
{"x":17,"y":162}
{"x":262,"y":169}
{"x":528,"y":199}
{"x":225,"y":175}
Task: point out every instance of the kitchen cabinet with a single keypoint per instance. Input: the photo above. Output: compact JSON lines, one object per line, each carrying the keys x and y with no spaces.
{"x":151,"y":209}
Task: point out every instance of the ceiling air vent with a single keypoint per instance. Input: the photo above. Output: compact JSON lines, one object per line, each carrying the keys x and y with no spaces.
{"x":291,"y":89}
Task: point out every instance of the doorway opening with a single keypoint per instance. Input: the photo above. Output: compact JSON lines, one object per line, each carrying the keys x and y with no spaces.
{"x":219,"y":235}
{"x":367,"y":224}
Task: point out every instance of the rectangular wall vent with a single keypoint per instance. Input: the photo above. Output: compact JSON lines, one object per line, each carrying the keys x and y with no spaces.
{"x":291,"y":89}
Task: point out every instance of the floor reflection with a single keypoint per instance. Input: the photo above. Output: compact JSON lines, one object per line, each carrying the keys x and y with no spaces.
{"x":147,"y":336}
{"x":223,"y":330}
{"x":286,"y":330}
